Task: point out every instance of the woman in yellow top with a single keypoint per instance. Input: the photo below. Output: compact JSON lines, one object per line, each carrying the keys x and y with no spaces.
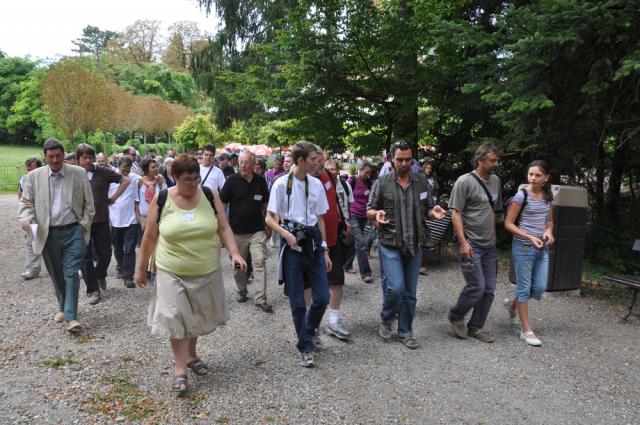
{"x":188,"y":299}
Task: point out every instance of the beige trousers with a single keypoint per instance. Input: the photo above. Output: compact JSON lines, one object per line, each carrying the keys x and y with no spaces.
{"x":256,"y":243}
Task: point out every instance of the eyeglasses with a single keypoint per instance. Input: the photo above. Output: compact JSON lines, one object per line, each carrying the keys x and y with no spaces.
{"x":190,"y":179}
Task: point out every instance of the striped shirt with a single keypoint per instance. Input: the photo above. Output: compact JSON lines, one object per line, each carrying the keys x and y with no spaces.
{"x":533,"y":218}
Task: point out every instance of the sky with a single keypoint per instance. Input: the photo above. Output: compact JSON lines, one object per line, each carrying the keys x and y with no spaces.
{"x":45,"y":28}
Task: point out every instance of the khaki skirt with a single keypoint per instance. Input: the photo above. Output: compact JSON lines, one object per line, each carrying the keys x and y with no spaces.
{"x":187,"y":306}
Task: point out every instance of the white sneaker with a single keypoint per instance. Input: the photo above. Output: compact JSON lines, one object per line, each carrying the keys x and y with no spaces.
{"x":530,"y":338}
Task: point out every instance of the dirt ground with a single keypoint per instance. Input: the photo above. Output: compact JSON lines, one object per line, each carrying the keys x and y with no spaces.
{"x":587,"y":371}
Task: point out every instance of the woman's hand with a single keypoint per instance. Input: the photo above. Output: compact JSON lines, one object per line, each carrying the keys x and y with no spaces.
{"x":141,"y":278}
{"x":548,"y":237}
{"x":536,"y":242}
{"x":238,"y":262}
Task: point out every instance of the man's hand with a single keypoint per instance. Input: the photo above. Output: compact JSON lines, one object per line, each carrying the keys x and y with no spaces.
{"x":25,"y":224}
{"x":381,"y":217}
{"x":291,"y":240}
{"x":347,"y":231}
{"x":327,"y":261}
{"x":437,"y":213}
{"x":466,"y":251}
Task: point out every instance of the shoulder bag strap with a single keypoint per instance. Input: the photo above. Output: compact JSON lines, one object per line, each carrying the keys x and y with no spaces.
{"x":205,"y":177}
{"x":489,"y":197}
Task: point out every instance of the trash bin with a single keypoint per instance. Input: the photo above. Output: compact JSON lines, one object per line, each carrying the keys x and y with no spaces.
{"x":570,"y":214}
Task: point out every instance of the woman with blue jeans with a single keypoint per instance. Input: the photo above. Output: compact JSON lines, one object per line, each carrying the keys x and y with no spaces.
{"x":530,"y":220}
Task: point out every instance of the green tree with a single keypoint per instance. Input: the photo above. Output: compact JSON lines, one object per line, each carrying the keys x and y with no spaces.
{"x":28,"y":121}
{"x":13,"y":72}
{"x":196,"y":131}
{"x":155,"y":79}
{"x":93,"y":41}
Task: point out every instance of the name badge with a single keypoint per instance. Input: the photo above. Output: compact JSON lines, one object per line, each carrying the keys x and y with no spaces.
{"x":257,"y":198}
{"x":424,"y":196}
{"x":366,"y":192}
{"x":188,"y":217}
{"x":327,"y":185}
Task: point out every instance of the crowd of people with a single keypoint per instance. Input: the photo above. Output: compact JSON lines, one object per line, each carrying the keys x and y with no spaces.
{"x":80,"y":210}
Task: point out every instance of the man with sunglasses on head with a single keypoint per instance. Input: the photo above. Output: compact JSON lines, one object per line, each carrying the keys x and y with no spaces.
{"x":300,"y":201}
{"x":399,"y":202}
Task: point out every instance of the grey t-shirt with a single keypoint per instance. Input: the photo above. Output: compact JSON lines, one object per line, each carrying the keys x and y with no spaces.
{"x":468,"y":197}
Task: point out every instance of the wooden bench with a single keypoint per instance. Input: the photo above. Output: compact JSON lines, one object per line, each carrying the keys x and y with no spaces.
{"x":633,"y":282}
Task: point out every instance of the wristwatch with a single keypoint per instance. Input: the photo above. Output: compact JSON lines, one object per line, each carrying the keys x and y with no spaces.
{"x":324,"y":244}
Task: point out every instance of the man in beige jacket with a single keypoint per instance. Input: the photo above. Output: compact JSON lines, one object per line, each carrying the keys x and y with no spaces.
{"x":58,"y":200}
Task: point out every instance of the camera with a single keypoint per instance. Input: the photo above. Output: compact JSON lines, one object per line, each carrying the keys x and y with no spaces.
{"x":300,"y":232}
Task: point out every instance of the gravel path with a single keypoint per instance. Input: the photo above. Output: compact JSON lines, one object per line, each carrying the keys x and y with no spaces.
{"x":587,"y":371}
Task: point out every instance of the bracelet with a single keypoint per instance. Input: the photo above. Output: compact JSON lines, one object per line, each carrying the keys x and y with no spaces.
{"x":324,"y":244}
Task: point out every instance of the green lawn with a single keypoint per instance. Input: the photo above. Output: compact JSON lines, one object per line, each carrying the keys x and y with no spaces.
{"x":15,"y":155}
{"x":12,"y":164}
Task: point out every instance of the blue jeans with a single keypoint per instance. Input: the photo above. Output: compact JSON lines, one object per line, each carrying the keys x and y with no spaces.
{"x":479,"y":290}
{"x":362,"y":234}
{"x":532,"y":269}
{"x":63,"y":256}
{"x":306,"y":321}
{"x":399,"y":284}
{"x":124,"y":241}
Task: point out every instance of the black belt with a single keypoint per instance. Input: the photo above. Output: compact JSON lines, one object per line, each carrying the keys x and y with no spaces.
{"x":66,"y":226}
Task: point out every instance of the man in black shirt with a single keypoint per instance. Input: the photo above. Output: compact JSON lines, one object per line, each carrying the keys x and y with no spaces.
{"x":247,"y":196}
{"x":95,"y":276}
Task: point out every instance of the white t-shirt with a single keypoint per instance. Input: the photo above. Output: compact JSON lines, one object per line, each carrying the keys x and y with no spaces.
{"x":316,"y":203}
{"x":122,"y":213}
{"x":386,"y":168}
{"x":215,"y":179}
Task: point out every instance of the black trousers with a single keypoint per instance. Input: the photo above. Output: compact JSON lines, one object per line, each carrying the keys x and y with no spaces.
{"x":100,"y":242}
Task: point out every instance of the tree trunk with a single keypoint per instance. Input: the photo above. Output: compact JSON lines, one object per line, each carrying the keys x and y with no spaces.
{"x":599,"y":189}
{"x":615,"y":181}
{"x":407,"y":120}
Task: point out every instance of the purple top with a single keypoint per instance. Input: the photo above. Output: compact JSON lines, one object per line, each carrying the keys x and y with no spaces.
{"x":273,"y":174}
{"x":360,"y":198}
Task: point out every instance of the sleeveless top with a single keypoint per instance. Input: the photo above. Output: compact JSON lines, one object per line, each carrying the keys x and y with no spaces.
{"x":188,"y":244}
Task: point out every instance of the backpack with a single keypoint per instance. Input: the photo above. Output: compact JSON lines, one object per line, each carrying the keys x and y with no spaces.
{"x":524,"y":203}
{"x":162,"y":199}
{"x":352,"y":183}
